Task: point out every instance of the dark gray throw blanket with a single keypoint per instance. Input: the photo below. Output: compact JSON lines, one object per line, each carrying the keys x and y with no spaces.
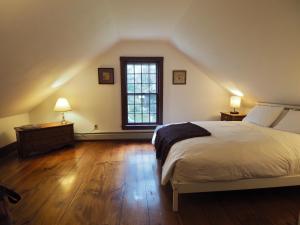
{"x":169,"y":135}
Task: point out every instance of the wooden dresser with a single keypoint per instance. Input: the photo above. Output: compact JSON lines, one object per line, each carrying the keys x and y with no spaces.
{"x":232,"y":117}
{"x":34,"y":139}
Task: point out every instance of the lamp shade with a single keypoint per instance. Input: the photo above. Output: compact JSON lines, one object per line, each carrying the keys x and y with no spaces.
{"x":62,"y":105}
{"x":235,"y":101}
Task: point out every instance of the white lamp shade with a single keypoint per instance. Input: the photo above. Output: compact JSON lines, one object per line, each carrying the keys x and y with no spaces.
{"x":235,"y":101}
{"x":62,"y":105}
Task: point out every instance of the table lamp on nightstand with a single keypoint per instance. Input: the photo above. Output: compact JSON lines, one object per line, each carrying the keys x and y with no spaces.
{"x":62,"y":105}
{"x":235,"y":103}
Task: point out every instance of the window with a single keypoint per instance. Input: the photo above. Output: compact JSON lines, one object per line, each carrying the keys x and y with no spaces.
{"x":142,"y":92}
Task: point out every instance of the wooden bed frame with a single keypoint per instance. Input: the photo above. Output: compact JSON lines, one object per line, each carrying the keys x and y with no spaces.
{"x":285,"y":181}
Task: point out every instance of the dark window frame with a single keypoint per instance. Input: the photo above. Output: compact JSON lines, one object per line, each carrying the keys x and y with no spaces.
{"x":159,"y":109}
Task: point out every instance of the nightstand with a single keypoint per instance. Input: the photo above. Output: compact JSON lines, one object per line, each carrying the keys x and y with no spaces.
{"x":232,"y":117}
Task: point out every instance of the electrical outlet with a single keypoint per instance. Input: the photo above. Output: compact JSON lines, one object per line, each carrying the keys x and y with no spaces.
{"x":96,"y":127}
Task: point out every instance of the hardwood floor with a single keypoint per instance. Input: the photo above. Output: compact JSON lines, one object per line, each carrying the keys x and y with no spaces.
{"x":112,"y":183}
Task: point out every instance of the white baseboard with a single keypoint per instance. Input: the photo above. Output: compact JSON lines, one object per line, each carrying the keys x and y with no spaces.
{"x":143,"y":135}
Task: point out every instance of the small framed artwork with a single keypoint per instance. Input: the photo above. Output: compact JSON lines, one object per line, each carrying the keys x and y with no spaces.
{"x":179,"y":76}
{"x":106,"y":76}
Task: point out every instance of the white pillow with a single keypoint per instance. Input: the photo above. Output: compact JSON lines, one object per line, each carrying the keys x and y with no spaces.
{"x":290,"y":123}
{"x":263,"y":115}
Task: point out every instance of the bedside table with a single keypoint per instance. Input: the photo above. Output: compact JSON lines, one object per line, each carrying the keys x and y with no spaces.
{"x":232,"y":117}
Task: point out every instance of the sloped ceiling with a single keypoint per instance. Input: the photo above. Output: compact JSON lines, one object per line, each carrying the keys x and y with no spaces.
{"x":249,"y":45}
{"x":44,"y":43}
{"x":252,"y":45}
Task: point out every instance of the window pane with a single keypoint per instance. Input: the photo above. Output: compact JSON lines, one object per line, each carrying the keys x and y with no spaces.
{"x":138,"y":108}
{"x":130,"y":118}
{"x":145,"y":78}
{"x":152,"y":68}
{"x":137,"y":68}
{"x":145,"y":108}
{"x":153,"y":78}
{"x":138,"y":99}
{"x":145,"y":88}
{"x":130,"y":78}
{"x":146,"y":118}
{"x":152,"y":108}
{"x":138,"y":88}
{"x":138,"y":78}
{"x":152,"y":99}
{"x":130,"y":108}
{"x":145,"y":68}
{"x":152,"y":118}
{"x":130,"y":99}
{"x":130,"y":88}
{"x":153,"y":88}
{"x":130,"y":68}
{"x":138,"y":118}
{"x":145,"y":99}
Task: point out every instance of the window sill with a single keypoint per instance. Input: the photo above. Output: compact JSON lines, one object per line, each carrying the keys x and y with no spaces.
{"x":140,"y":127}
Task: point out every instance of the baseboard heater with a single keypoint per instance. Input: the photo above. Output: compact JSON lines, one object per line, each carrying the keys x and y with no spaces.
{"x":142,"y":135}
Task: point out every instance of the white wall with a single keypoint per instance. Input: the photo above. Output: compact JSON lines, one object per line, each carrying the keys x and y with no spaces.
{"x":7,"y":124}
{"x":200,"y":99}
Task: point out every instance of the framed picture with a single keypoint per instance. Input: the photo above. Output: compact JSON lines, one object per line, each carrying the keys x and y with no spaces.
{"x":106,"y":76}
{"x":179,"y":76}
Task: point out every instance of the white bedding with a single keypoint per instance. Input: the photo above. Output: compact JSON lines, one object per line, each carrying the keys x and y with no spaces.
{"x":236,"y":150}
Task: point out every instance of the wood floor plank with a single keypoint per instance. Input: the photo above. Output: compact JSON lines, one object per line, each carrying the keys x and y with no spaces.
{"x":118,"y":183}
{"x":134,"y":205}
{"x":211,"y":203}
{"x":66,"y":188}
{"x":159,"y":206}
{"x":272,"y":209}
{"x":37,"y":164}
{"x":39,"y":185}
{"x":98,"y":200}
{"x":237,"y":205}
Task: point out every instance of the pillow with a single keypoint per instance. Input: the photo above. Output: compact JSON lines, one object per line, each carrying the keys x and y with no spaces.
{"x":279,"y":118}
{"x":290,"y":123}
{"x":263,"y":115}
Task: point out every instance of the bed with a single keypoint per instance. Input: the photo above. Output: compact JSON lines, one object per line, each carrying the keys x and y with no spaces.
{"x":237,"y":156}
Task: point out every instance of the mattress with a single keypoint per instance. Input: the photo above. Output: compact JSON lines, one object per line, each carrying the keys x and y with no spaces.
{"x":234,"y":151}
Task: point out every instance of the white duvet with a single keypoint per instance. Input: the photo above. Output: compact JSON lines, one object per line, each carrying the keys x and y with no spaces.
{"x":235,"y":150}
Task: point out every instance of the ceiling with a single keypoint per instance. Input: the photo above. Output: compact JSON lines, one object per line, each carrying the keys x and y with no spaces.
{"x":252,"y":46}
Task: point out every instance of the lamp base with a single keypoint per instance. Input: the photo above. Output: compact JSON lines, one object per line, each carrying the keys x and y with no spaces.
{"x":63,"y":120}
{"x":234,"y":112}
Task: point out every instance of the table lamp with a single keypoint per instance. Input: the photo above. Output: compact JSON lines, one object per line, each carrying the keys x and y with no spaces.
{"x":235,"y":102}
{"x":62,"y":105}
